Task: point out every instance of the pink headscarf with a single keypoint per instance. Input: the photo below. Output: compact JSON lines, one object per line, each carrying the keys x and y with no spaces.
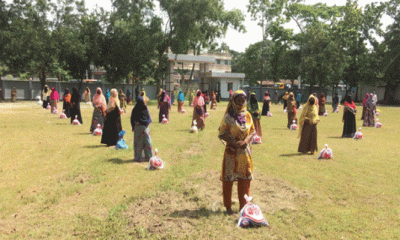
{"x":99,"y":100}
{"x":54,"y":94}
{"x":365,"y":99}
{"x":198,"y":100}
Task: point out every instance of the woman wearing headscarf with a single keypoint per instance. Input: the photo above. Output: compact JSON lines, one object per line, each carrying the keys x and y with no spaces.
{"x":335,"y":102}
{"x":369,"y":118}
{"x":145,"y":98}
{"x":236,"y":130}
{"x":213,"y":100}
{"x":285,"y":98}
{"x":46,"y":96}
{"x":13,"y":94}
{"x":67,"y":103}
{"x":198,"y":110}
{"x":122,"y":100}
{"x":54,"y":98}
{"x":230,"y":94}
{"x":100,"y":106}
{"x":266,"y":104}
{"x":291,"y":109}
{"x":254,"y":109}
{"x":349,"y":118}
{"x":316,"y":101}
{"x":86,"y":95}
{"x":140,"y":121}
{"x":76,"y":105}
{"x":112,"y":123}
{"x":298,"y":100}
{"x":308,"y":127}
{"x":181,"y":100}
{"x":128,"y":96}
{"x":164,"y":104}
{"x":364,"y":105}
{"x":321,"y":103}
{"x":107,"y":95}
{"x":172,"y":97}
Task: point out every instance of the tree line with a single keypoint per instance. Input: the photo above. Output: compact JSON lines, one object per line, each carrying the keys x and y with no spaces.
{"x":332,"y":43}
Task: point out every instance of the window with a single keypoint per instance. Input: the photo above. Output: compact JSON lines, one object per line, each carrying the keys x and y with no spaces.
{"x":230,"y":86}
{"x":226,"y":62}
{"x":218,"y":61}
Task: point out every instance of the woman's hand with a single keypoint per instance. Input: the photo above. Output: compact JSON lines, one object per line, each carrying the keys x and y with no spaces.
{"x":241,"y":144}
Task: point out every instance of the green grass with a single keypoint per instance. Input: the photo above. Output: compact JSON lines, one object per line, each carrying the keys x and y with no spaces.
{"x":58,"y":181}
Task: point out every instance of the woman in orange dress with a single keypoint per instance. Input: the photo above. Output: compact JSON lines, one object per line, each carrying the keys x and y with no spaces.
{"x":236,"y":130}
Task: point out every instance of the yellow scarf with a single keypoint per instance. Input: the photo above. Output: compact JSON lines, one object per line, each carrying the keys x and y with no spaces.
{"x":309,"y":112}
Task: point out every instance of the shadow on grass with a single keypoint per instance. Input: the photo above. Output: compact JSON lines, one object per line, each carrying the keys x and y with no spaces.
{"x":290,"y":155}
{"x":63,"y":124}
{"x":334,"y":137}
{"x":282,"y":128}
{"x":83,"y":133}
{"x":196,"y":214}
{"x":119,"y":161}
{"x":95,"y":146}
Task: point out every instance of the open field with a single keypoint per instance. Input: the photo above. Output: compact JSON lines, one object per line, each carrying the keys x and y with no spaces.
{"x":58,"y":182}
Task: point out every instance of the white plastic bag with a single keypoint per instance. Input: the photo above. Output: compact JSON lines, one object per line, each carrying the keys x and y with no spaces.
{"x":250,"y":215}
{"x":164,"y":120}
{"x":98,"y":131}
{"x":206,"y":114}
{"x":76,"y":121}
{"x":183,"y":111}
{"x":62,"y":115}
{"x":293,"y":126}
{"x":325,"y":113}
{"x":378,"y":124}
{"x":194,"y":129}
{"x":155,"y":163}
{"x":358,"y":135}
{"x":39,"y":100}
{"x":325,"y":153}
{"x":269,"y":114}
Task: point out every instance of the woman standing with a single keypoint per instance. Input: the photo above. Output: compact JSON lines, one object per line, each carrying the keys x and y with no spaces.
{"x":145,"y":98}
{"x":46,"y":96}
{"x":213,"y":100}
{"x":76,"y":105}
{"x":54,"y":98}
{"x":364,"y":105}
{"x":291,"y":110}
{"x":140,"y":121}
{"x":335,"y":102}
{"x":349,"y":118}
{"x":321,"y":102}
{"x":13,"y":94}
{"x":298,"y":100}
{"x":254,"y":109}
{"x":285,"y":98}
{"x":198,"y":110}
{"x":67,"y":103}
{"x":181,"y":100}
{"x":122,"y":100}
{"x":237,"y":130}
{"x":86,"y":95}
{"x":164,"y":104}
{"x":266,"y":104}
{"x":173,"y":97}
{"x":112,"y":123}
{"x":230,"y":94}
{"x":308,"y":127}
{"x":107,"y":95}
{"x":369,"y":118}
{"x":128,"y":96}
{"x":100,"y":106}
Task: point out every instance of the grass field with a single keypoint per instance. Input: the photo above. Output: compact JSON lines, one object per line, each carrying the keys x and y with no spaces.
{"x":58,"y":182}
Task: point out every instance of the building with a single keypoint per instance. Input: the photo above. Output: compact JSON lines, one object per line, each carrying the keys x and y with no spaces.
{"x":211,"y":71}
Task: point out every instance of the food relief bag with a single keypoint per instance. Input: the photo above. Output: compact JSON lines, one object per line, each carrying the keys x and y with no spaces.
{"x":325,"y":153}
{"x":250,"y":215}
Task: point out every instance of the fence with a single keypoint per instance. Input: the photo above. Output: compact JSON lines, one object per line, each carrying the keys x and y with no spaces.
{"x":29,"y":90}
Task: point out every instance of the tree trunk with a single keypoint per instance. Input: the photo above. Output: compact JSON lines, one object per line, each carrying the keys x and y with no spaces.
{"x":42,"y":77}
{"x":390,"y":91}
{"x":190,"y":78}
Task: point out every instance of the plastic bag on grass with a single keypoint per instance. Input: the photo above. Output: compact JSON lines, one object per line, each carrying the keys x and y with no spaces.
{"x":155,"y":163}
{"x":293,"y":126}
{"x":164,"y":120}
{"x":250,"y":215}
{"x":325,"y":153}
{"x":76,"y":121}
{"x":98,"y":131}
{"x":358,"y":135}
{"x":121,"y":144}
